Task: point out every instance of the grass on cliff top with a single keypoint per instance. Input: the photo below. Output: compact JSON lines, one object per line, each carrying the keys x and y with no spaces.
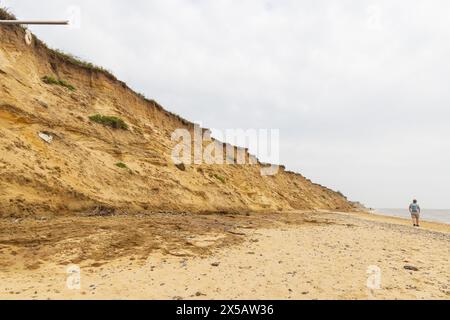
{"x":77,"y":61}
{"x":6,"y":15}
{"x":110,"y":121}
{"x":52,"y":81}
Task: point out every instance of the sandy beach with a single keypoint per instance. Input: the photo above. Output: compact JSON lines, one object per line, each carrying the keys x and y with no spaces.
{"x":297,"y":255}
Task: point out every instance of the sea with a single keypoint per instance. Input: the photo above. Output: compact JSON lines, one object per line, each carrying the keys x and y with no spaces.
{"x":434,"y":215}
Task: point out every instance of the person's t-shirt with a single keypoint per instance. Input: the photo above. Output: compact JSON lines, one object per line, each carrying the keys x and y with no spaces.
{"x":414,"y":208}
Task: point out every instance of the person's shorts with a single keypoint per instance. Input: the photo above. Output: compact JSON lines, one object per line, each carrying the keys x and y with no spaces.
{"x":415,"y":215}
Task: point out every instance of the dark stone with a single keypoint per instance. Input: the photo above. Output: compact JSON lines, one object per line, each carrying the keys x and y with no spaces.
{"x":412,"y":268}
{"x":181,"y":166}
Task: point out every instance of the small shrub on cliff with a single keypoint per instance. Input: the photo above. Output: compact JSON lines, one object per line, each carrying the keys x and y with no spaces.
{"x":121,"y":165}
{"x":67,"y":85}
{"x":110,"y":121}
{"x":220,"y":178}
{"x":52,"y":81}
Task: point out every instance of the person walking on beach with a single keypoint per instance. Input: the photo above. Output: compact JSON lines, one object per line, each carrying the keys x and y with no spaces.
{"x":414,"y":209}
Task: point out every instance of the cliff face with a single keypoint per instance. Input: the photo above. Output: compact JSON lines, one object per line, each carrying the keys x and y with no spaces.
{"x":88,"y":165}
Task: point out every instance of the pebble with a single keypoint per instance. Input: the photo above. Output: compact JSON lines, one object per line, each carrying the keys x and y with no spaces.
{"x":412,"y":268}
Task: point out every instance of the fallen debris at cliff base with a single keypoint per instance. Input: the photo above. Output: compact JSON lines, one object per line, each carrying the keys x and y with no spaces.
{"x":97,"y":239}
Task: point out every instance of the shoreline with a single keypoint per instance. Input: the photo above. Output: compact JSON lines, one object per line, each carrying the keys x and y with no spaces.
{"x":425,"y":224}
{"x":307,"y":255}
{"x":424,"y":215}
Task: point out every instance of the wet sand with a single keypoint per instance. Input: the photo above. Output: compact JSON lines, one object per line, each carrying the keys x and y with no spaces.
{"x":274,"y":256}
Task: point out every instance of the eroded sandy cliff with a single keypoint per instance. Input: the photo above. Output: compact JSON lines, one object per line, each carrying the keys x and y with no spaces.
{"x":78,"y":171}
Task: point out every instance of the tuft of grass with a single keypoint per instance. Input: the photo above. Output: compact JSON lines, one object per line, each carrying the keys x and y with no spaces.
{"x":52,"y":81}
{"x":110,"y":121}
{"x":220,"y":178}
{"x":67,"y":85}
{"x":121,"y":165}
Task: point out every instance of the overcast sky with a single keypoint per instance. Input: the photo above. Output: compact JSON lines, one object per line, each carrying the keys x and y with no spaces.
{"x":359,"y":89}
